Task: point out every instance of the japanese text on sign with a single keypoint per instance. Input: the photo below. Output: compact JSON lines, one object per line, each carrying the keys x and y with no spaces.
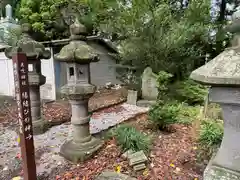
{"x":22,"y":98}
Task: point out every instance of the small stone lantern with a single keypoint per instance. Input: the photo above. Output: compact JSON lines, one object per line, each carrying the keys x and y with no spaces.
{"x":78,"y":55}
{"x":35,"y":51}
{"x":223,"y":75}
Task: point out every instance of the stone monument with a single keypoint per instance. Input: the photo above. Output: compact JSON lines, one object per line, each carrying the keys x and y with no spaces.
{"x":223,"y":75}
{"x":8,"y":10}
{"x":78,"y":55}
{"x":35,"y":51}
{"x":149,"y":88}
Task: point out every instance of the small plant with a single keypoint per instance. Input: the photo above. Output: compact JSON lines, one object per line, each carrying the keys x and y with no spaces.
{"x":164,"y":115}
{"x":211,"y":133}
{"x":163,"y":80}
{"x":190,"y":92}
{"x":128,"y":137}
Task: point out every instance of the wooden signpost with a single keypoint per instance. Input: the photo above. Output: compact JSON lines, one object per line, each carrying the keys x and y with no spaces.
{"x":20,"y":71}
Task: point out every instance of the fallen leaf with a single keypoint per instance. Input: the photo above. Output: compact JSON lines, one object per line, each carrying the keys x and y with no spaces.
{"x":18,"y":140}
{"x":17,"y":178}
{"x":118,"y":169}
{"x":18,"y":155}
{"x":195,"y":148}
{"x":145,"y":172}
{"x":172,"y":165}
{"x":58,"y":177}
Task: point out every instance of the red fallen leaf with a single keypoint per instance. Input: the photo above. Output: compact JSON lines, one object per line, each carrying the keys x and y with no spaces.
{"x":21,"y":173}
{"x":58,"y":177}
{"x":18,"y":155}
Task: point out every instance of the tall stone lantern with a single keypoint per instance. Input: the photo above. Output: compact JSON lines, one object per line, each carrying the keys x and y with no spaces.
{"x":78,"y":55}
{"x":223,"y":75}
{"x":35,"y":51}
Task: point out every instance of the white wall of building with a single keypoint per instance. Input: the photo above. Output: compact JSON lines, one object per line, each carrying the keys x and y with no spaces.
{"x":48,"y":90}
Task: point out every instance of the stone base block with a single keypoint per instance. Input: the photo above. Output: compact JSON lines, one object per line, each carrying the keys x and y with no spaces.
{"x":139,"y":167}
{"x":79,"y":152}
{"x":110,"y":175}
{"x":40,"y":126}
{"x":132,"y":97}
{"x":213,"y":172}
{"x":145,"y":103}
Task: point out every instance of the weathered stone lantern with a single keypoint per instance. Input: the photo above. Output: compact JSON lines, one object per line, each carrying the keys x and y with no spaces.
{"x":223,"y":75}
{"x":78,"y":55}
{"x":35,"y":51}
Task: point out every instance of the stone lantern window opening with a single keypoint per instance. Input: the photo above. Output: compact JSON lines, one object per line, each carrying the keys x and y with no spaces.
{"x":30,"y":67}
{"x":83,"y":71}
{"x":71,"y":71}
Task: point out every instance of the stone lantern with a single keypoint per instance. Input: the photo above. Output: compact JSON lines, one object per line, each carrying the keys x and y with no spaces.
{"x":35,"y":51}
{"x":78,"y":55}
{"x":223,"y":75}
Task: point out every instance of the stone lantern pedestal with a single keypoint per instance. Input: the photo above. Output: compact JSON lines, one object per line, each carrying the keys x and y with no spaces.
{"x":35,"y":51}
{"x":78,"y":56}
{"x":223,"y":74}
{"x":226,"y":163}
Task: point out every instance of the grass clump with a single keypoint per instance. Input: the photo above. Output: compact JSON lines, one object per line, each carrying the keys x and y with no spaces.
{"x":129,"y":137}
{"x":211,"y":133}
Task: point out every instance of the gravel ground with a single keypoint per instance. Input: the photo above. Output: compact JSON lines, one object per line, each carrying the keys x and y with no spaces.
{"x":47,"y":144}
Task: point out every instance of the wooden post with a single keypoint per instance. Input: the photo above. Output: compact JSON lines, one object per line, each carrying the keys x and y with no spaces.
{"x":20,"y":71}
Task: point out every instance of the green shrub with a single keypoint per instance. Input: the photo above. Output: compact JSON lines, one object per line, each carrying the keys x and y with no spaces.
{"x":211,"y":133}
{"x":128,"y":137}
{"x":164,"y":115}
{"x":163,"y":79}
{"x":187,"y":114}
{"x":190,"y":92}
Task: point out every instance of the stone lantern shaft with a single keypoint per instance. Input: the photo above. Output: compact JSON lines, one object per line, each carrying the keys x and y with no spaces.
{"x":223,"y":75}
{"x":78,"y":55}
{"x":35,"y":51}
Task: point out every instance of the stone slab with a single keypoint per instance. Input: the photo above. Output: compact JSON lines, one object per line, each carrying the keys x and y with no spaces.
{"x":110,"y":175}
{"x":137,"y":158}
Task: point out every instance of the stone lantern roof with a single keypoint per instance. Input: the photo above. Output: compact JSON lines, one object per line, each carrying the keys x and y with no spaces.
{"x":78,"y":50}
{"x":225,"y":68}
{"x":32,"y":48}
